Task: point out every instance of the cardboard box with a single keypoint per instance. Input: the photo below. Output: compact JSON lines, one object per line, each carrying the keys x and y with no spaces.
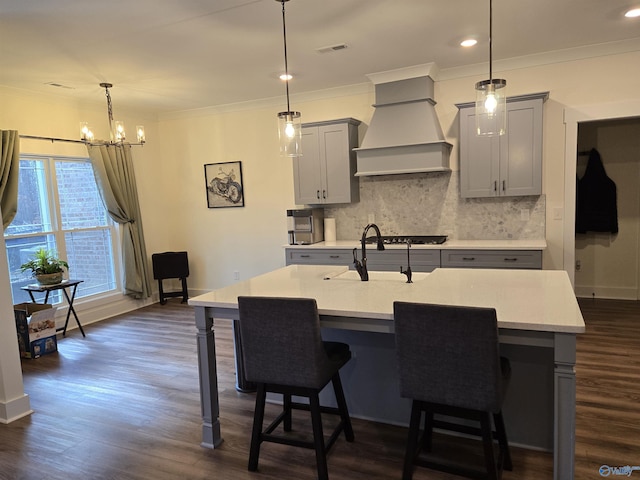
{"x":36,"y":327}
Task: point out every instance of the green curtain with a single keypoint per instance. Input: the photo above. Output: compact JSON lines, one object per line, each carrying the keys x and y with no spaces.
{"x":9,"y":168}
{"x":113,"y":170}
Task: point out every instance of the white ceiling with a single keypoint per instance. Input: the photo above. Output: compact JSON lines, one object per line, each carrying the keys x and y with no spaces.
{"x":168,"y":55}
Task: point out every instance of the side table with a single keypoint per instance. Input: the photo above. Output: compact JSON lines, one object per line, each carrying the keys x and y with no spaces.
{"x":64,"y":286}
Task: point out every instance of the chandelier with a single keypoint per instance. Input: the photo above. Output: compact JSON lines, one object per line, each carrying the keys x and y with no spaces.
{"x":117,"y":130}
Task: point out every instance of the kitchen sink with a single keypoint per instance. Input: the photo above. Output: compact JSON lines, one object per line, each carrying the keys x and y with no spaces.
{"x":378,"y":276}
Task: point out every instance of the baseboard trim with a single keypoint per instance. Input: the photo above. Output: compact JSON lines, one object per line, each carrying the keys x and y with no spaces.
{"x":15,"y":409}
{"x":613,"y":293}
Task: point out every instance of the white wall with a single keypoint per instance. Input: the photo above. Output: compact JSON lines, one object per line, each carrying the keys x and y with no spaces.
{"x":258,"y":232}
{"x":246,"y":239}
{"x":170,"y":168}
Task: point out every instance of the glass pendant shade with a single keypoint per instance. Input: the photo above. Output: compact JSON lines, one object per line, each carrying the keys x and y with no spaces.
{"x":290,"y":134}
{"x":491,"y":107}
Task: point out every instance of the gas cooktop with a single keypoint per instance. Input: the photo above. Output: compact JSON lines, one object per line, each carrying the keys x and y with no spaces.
{"x":414,"y":239}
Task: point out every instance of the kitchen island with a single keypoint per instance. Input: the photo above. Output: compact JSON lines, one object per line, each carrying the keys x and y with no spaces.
{"x":538,"y":317}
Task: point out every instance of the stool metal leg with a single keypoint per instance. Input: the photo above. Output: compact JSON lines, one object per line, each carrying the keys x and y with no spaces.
{"x":487,"y":442}
{"x":501,"y":433}
{"x":256,"y":435}
{"x":427,"y":435}
{"x":286,"y":405}
{"x":318,"y":436}
{"x":342,"y":407}
{"x":412,"y":440}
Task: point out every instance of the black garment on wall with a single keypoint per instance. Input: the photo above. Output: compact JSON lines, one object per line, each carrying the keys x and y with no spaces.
{"x":596,"y":203}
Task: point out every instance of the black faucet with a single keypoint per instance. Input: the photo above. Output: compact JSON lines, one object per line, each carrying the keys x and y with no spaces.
{"x":407,"y":272}
{"x":361,"y":266}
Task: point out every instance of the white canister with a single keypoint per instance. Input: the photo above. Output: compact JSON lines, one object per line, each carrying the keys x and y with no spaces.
{"x":329,"y":229}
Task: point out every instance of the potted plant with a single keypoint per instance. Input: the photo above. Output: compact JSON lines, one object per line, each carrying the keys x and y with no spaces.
{"x":45,"y":267}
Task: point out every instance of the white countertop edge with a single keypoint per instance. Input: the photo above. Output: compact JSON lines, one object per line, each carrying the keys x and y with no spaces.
{"x":539,"y":300}
{"x":531,"y":244}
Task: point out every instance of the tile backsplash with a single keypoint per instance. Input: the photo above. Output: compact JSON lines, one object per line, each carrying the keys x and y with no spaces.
{"x":430,"y":204}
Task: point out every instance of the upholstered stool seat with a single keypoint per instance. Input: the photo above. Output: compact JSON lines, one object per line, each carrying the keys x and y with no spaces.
{"x":449,"y":365}
{"x":284,"y":353}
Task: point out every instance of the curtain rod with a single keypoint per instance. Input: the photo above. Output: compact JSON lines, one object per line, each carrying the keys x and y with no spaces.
{"x":68,"y":140}
{"x":52,"y":139}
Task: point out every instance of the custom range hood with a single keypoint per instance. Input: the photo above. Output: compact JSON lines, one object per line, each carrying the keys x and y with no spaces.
{"x":404,"y":135}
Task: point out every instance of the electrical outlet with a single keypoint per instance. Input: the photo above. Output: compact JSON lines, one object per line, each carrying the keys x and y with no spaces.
{"x":578,"y":265}
{"x":236,"y":275}
{"x":371,"y":218}
{"x":524,"y":214}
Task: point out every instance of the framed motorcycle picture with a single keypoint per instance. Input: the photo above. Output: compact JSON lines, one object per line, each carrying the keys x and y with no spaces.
{"x":224,"y":184}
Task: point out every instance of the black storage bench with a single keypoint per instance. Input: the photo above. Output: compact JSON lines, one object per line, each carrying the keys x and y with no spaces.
{"x":171,"y":265}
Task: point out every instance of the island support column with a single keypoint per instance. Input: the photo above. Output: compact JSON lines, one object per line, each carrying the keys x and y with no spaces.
{"x":565,"y":406}
{"x":211,"y":437}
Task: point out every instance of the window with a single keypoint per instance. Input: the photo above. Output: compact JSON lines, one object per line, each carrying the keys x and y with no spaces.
{"x":60,"y":209}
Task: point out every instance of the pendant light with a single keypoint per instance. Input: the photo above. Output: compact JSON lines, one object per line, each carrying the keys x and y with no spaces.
{"x":491,"y":100}
{"x":289,"y":125}
{"x":116,"y":128}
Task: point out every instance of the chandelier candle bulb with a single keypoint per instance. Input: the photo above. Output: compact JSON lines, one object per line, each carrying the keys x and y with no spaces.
{"x":119,"y":132}
{"x":140,"y":133}
{"x":85,"y":132}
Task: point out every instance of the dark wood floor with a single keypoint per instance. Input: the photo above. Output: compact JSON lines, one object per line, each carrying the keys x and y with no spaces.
{"x":123,"y":403}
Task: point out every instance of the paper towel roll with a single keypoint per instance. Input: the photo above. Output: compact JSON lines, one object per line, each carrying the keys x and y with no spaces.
{"x":329,"y":229}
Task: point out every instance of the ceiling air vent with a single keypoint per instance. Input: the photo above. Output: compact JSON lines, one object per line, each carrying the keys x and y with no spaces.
{"x":59,"y":85}
{"x":332,"y":48}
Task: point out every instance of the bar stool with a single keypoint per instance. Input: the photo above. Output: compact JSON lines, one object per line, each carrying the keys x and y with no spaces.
{"x":449,"y":364}
{"x":284,"y":353}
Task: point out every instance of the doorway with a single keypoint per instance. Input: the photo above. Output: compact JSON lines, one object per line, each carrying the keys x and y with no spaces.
{"x":572,"y":118}
{"x":606,"y":263}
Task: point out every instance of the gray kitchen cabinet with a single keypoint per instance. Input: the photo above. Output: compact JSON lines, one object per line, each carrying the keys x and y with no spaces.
{"x":522,"y":259}
{"x":427,"y":260}
{"x":505,"y":165}
{"x":325,"y":173}
{"x":318,"y":256}
{"x":391,"y":260}
{"x":387,"y":260}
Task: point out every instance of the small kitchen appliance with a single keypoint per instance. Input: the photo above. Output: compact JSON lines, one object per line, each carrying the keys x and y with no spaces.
{"x":305,"y":226}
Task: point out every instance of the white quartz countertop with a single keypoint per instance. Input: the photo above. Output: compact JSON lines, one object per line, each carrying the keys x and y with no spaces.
{"x":534,"y":244}
{"x":539,"y":300}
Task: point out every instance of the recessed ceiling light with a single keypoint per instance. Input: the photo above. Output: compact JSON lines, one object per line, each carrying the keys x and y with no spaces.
{"x":285,"y":77}
{"x":633,"y":13}
{"x":469,"y":42}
